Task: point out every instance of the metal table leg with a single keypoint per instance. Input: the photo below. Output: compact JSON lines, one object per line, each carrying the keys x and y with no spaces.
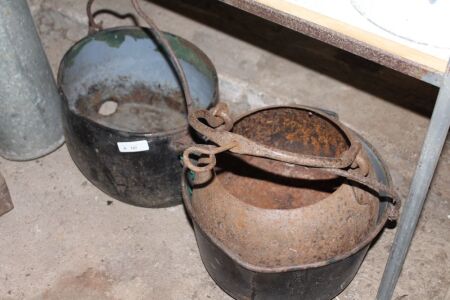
{"x":431,"y":151}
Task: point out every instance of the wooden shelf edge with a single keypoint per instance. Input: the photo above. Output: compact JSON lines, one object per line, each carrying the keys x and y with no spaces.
{"x":386,"y":52}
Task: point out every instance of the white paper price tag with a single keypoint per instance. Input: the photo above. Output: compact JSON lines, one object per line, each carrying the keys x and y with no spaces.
{"x":137,"y":146}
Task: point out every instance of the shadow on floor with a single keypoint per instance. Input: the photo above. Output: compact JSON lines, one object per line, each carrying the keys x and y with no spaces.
{"x":350,"y":69}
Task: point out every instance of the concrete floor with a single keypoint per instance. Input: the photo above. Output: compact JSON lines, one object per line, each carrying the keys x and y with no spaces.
{"x":63,"y":240}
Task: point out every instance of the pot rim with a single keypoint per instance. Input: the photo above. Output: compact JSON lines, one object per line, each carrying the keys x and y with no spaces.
{"x":162,"y":134}
{"x":382,"y":219}
{"x":345,"y":133}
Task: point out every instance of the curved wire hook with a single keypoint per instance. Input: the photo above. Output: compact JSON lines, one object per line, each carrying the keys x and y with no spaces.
{"x":93,"y":26}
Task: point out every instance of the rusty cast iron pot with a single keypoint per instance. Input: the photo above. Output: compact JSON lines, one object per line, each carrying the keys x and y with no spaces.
{"x":272,"y":230}
{"x":131,"y":149}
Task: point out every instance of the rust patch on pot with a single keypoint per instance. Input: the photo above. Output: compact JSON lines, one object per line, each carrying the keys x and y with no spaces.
{"x":269,"y":189}
{"x":293,"y":130}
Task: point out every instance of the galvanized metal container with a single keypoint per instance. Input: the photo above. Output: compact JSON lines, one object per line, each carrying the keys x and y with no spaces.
{"x":131,"y":149}
{"x":30,"y":106}
{"x":268,"y":229}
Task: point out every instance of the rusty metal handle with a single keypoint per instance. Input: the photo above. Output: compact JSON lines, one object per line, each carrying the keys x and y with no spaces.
{"x":208,"y":163}
{"x":219,"y":122}
{"x":380,"y":188}
{"x":160,"y":39}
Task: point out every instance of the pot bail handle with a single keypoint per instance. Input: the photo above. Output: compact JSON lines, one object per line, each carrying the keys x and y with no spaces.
{"x":218,"y":123}
{"x":170,"y":53}
{"x":160,"y":39}
{"x":381,"y":189}
{"x":393,"y":211}
{"x":93,"y":26}
{"x":206,"y":164}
